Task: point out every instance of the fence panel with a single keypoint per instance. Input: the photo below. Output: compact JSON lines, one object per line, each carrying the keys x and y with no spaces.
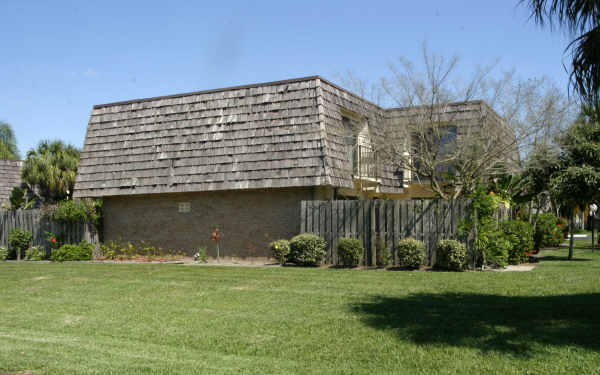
{"x":34,"y":222}
{"x":370,"y":220}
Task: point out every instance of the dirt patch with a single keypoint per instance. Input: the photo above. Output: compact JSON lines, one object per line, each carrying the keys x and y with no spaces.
{"x":518,"y":268}
{"x":234,"y":263}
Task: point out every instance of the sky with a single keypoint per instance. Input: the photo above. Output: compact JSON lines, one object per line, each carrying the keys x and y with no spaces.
{"x":59,"y":58}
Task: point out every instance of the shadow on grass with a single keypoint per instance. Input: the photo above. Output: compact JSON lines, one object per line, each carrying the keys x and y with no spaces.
{"x":488,"y":322}
{"x":552,"y":258}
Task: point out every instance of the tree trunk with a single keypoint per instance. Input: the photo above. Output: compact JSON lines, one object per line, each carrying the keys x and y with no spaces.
{"x":476,"y":241}
{"x":571,"y":219}
{"x":537,"y":213}
{"x":592,"y":228}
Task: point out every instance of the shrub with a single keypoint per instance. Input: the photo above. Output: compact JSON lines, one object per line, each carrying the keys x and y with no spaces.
{"x":109,"y":250}
{"x":307,"y":249}
{"x":350,"y":251}
{"x":77,"y":211}
{"x":382,"y":253}
{"x":410,"y":252}
{"x":3,"y":253}
{"x":496,"y":248}
{"x":35,"y":253}
{"x":53,"y":241}
{"x":280,"y":250}
{"x":547,"y":232}
{"x":201,"y":255}
{"x":451,"y":255}
{"x":17,"y":198}
{"x":141,"y":250}
{"x":68,"y":252}
{"x":563,"y":225}
{"x":520,"y":235}
{"x":18,"y":240}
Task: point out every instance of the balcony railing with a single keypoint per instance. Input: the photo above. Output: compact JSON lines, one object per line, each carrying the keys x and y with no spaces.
{"x":364,"y":162}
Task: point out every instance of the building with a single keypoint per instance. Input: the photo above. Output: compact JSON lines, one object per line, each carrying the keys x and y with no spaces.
{"x":170,"y":169}
{"x":10,"y":177}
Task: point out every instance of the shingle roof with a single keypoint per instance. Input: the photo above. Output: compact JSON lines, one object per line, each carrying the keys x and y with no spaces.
{"x":255,"y":136}
{"x":10,"y":176}
{"x":275,"y":134}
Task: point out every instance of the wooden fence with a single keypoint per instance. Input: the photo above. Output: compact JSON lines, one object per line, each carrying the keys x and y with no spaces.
{"x":426,"y":220}
{"x":34,"y":222}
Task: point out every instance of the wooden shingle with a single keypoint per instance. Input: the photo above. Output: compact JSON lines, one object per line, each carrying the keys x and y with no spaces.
{"x":10,"y":177}
{"x":269,"y":135}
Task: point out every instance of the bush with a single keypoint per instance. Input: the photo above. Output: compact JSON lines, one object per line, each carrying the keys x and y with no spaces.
{"x":77,"y":211}
{"x":142,"y":251}
{"x":563,"y":225}
{"x":54,"y":242}
{"x":35,"y":253}
{"x":410,"y":252}
{"x":307,"y":249}
{"x":17,"y":198}
{"x":520,"y":235}
{"x":3,"y":253}
{"x":280,"y":250}
{"x":18,"y":240}
{"x":496,"y":247}
{"x":68,"y":252}
{"x":451,"y":255}
{"x":201,"y":255}
{"x":382,"y":253}
{"x":547,"y":232}
{"x":350,"y":251}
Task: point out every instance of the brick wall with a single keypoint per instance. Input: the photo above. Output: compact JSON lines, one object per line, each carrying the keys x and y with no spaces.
{"x":248,"y":219}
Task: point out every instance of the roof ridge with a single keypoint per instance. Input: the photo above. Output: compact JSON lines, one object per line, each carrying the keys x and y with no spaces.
{"x":292,"y":80}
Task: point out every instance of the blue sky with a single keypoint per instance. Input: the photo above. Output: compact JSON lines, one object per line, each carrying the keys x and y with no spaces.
{"x":61,"y":58}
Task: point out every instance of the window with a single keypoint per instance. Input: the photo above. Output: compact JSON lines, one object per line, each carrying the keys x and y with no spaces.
{"x":432,"y":147}
{"x":357,"y":139}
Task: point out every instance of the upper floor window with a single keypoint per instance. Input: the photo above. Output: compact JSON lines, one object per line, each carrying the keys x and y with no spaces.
{"x":357,"y":139}
{"x":433,"y":147}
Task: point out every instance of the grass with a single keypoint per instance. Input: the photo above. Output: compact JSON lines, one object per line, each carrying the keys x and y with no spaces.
{"x":78,"y":318}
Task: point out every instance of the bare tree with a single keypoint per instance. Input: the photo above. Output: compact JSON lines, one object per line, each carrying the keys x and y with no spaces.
{"x":451,"y":133}
{"x":373,"y":91}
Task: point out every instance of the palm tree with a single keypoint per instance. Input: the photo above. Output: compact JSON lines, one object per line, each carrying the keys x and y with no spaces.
{"x":51,"y":169}
{"x":8,"y":143}
{"x":581,"y":18}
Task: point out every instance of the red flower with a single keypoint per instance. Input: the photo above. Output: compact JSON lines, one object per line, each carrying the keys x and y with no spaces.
{"x":216,"y":235}
{"x":54,"y":240}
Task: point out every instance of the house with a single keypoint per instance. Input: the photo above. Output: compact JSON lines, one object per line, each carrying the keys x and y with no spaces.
{"x":171,"y":169}
{"x":10,"y":177}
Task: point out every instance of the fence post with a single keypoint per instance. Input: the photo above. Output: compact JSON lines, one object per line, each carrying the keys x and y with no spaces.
{"x":303,"y":217}
{"x":373,"y":233}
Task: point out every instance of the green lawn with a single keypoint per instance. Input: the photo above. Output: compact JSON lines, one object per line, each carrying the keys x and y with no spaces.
{"x":83,"y":318}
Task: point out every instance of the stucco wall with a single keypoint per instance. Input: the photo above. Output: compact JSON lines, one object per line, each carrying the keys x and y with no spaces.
{"x":248,"y":219}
